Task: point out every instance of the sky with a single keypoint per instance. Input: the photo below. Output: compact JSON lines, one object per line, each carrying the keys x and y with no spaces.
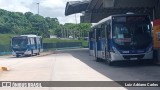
{"x":48,"y":8}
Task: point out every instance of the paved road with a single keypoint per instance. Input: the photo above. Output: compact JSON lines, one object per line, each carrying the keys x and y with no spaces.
{"x":75,"y":65}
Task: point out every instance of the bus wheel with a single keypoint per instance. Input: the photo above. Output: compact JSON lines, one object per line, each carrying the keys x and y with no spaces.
{"x":31,"y":52}
{"x":98,"y":59}
{"x":38,"y":52}
{"x":110,"y":63}
{"x":17,"y":56}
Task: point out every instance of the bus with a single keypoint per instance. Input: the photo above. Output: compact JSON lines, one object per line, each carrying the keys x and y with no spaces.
{"x":121,"y":38}
{"x":27,"y":45}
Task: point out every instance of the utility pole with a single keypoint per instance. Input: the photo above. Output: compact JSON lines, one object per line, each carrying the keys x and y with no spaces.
{"x":76,"y":25}
{"x":76,"y":18}
{"x":38,"y":14}
{"x":38,"y":8}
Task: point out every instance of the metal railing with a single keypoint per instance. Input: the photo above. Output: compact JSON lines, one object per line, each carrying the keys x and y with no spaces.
{"x":6,"y":49}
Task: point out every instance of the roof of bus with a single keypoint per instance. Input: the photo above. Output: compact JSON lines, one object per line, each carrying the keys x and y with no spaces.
{"x":110,"y":17}
{"x":30,"y":35}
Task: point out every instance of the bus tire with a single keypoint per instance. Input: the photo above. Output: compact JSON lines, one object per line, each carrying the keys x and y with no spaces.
{"x":17,"y":56}
{"x":98,"y":59}
{"x":31,"y":53}
{"x":110,"y":63}
{"x":38,"y":52}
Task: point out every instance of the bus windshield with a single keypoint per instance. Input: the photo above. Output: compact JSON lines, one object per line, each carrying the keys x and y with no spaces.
{"x":19,"y":42}
{"x":127,"y":36}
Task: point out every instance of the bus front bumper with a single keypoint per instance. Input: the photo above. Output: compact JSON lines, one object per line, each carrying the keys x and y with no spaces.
{"x":143,"y":56}
{"x":27,"y":52}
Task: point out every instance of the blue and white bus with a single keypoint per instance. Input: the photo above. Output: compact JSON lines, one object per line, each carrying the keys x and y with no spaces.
{"x":26,"y":45}
{"x":122,"y":37}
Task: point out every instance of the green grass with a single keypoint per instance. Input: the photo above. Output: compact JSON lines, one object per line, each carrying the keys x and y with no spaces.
{"x":5,"y":43}
{"x":55,"y":40}
{"x":5,"y":38}
{"x":84,"y":42}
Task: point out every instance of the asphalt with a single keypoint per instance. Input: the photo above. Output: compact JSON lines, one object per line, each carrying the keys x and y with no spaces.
{"x":75,"y":65}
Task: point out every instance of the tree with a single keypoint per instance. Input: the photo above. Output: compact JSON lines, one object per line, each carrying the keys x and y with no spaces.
{"x":29,"y":23}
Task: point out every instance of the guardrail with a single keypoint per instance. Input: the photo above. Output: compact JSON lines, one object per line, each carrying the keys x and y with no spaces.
{"x":62,"y":45}
{"x":6,"y":49}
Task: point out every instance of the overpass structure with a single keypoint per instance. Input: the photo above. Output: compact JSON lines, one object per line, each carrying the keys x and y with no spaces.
{"x":95,"y":10}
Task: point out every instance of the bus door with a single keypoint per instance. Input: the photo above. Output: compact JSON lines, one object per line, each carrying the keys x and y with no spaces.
{"x":94,"y":42}
{"x":32,"y":43}
{"x":108,"y":38}
{"x":91,"y":42}
{"x":35,"y":41}
{"x":103,"y":41}
{"x":98,"y":43}
{"x":41,"y":44}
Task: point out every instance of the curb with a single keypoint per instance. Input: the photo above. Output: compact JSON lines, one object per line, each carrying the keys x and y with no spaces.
{"x":3,"y":69}
{"x":46,"y":54}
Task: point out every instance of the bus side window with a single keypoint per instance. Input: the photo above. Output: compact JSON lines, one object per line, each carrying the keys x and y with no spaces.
{"x":98,"y":33}
{"x":32,"y":41}
{"x":90,"y":35}
{"x":38,"y":41}
{"x":103,"y":32}
{"x":94,"y":34}
{"x":35,"y":42}
{"x":109,"y":31}
{"x":29,"y":39}
{"x":108,"y":35}
{"x":29,"y":42}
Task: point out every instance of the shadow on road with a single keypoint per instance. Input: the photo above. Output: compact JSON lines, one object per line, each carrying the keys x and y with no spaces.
{"x":121,"y":71}
{"x":22,"y":56}
{"x":83,"y":55}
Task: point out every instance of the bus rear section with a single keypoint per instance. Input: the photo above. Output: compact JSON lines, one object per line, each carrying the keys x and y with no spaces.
{"x":26,"y":45}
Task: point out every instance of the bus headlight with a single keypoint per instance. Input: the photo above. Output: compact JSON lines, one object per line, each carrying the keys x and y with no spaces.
{"x":115,"y":50}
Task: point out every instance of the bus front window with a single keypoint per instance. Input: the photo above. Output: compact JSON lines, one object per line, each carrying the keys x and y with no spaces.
{"x":19,"y":42}
{"x":121,"y":34}
{"x":128,"y":36}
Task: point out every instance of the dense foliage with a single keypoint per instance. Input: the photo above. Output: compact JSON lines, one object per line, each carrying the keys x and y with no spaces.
{"x":29,"y":23}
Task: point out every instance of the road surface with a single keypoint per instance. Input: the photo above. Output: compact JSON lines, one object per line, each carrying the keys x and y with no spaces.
{"x":75,"y":65}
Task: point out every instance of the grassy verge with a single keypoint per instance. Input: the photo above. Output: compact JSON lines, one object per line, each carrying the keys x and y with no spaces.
{"x":5,"y":39}
{"x":55,"y":40}
{"x":5,"y":43}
